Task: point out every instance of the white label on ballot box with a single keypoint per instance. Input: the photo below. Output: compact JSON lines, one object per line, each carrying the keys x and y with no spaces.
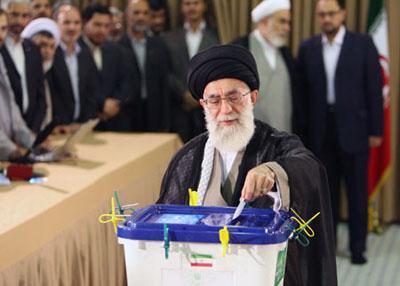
{"x":172,"y":277}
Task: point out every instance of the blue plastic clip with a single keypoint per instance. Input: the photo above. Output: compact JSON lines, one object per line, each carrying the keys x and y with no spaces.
{"x":166,"y":241}
{"x":298,"y":235}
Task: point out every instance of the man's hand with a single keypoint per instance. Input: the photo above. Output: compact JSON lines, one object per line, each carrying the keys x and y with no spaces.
{"x":66,"y":129}
{"x":18,"y":152}
{"x":46,"y":144}
{"x":111,"y":108}
{"x":374,"y":141}
{"x":189,"y":103}
{"x":259,"y":181}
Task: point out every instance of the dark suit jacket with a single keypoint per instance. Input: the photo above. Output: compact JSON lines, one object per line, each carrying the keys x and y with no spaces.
{"x":62,"y":92}
{"x":115,"y":77}
{"x":179,"y":53}
{"x":156,"y":114}
{"x":187,"y":124}
{"x":358,"y":88}
{"x":117,"y":80}
{"x":34,"y":77}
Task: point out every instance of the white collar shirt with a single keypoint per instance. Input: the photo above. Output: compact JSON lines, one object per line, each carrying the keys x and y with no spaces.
{"x":193,"y":38}
{"x":331,"y":53}
{"x":227,"y":158}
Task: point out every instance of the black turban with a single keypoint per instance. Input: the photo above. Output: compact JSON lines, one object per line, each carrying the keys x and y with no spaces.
{"x":218,"y":62}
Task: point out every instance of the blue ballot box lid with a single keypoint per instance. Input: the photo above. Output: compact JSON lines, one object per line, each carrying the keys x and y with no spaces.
{"x":202,"y":224}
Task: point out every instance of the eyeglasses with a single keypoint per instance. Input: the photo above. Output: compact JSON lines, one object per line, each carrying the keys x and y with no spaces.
{"x":329,"y":14}
{"x":233,"y":98}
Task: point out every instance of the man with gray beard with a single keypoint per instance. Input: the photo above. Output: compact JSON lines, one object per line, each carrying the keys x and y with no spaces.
{"x":240,"y":158}
{"x":268,"y":44}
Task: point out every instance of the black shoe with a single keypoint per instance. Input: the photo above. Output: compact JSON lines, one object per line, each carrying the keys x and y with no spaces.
{"x":358,"y":258}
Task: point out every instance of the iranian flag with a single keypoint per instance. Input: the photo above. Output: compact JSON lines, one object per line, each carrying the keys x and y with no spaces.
{"x":379,"y":158}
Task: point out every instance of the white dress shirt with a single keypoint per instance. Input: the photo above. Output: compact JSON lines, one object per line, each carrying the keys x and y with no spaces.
{"x":193,"y":38}
{"x":228,"y":157}
{"x":139,"y":46}
{"x":331,"y":52}
{"x":18,"y":56}
{"x":96,"y":53}
{"x":71,"y":60}
{"x":269,"y":50}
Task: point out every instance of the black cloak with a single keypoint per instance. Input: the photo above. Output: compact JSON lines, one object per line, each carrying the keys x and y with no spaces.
{"x":314,"y":265}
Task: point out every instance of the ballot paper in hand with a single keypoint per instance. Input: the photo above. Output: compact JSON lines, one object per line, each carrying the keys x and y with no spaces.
{"x":239,"y":209}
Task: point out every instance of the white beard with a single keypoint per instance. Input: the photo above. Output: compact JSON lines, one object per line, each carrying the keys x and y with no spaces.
{"x":274,"y":38}
{"x":235,"y":137}
{"x":278,"y":41}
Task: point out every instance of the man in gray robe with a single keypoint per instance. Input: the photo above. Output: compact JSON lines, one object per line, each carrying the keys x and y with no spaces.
{"x":15,"y":137}
{"x":242,"y":158}
{"x":268,"y":43}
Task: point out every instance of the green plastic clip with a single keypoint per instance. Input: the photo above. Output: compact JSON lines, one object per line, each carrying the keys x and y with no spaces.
{"x":166,"y":241}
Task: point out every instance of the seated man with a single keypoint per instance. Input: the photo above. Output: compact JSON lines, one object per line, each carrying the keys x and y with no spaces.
{"x":242,"y":158}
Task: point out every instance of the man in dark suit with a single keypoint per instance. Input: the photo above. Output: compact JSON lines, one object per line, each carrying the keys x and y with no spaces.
{"x":72,"y":79}
{"x":150,"y":107}
{"x":24,"y":66}
{"x":183,"y":43}
{"x":340,"y":90}
{"x":112,"y":63}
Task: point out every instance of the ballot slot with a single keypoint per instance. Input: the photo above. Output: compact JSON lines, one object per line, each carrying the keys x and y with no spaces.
{"x":186,"y":223}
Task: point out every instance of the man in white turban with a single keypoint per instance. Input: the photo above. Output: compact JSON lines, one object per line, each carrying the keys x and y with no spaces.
{"x":45,"y":34}
{"x":268,"y":43}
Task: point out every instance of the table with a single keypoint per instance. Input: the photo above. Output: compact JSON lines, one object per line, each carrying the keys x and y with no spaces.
{"x":50,"y":234}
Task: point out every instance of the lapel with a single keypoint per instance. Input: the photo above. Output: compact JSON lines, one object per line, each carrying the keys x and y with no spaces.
{"x":182,"y":40}
{"x":62,"y":75}
{"x":106,"y":61}
{"x":81,"y":73}
{"x":204,"y":43}
{"x":28,"y":65}
{"x":319,"y":61}
{"x":151,"y":51}
{"x":126,"y":42}
{"x":344,"y":57}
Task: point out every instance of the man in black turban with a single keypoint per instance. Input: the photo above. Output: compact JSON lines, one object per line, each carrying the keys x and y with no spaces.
{"x":240,"y":158}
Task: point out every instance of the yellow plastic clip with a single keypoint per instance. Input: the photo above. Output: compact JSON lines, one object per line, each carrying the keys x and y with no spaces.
{"x":224,"y":239}
{"x":106,"y":218}
{"x":303,"y":225}
{"x":193,"y":197}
